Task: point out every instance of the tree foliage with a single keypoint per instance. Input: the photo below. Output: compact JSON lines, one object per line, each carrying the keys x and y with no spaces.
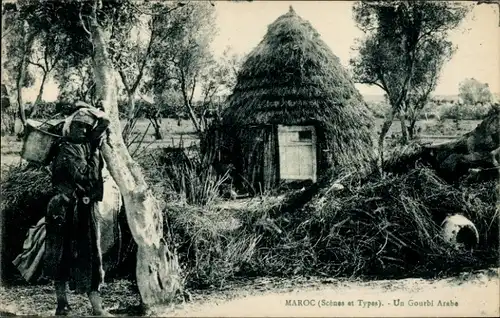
{"x":434,"y":55}
{"x":181,"y":62}
{"x":472,"y":92}
{"x":401,"y":38}
{"x":76,"y":82}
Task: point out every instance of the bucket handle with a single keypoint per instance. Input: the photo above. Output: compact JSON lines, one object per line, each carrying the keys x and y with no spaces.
{"x":46,"y":132}
{"x":47,"y":120}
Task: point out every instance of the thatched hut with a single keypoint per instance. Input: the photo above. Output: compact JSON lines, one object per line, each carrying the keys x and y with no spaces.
{"x":294,"y":111}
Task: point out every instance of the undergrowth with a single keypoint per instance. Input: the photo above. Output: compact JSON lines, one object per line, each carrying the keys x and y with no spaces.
{"x":383,"y":226}
{"x":388,"y":227}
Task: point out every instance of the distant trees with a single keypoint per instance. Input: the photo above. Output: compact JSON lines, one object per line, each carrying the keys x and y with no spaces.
{"x":76,"y":82}
{"x":218,"y":79}
{"x":472,"y":92}
{"x":180,"y":63}
{"x":134,"y":47}
{"x":17,"y":40}
{"x":404,"y":48}
{"x":7,"y":113}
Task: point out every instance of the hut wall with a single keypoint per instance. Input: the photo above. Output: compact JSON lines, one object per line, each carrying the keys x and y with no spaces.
{"x":253,"y":152}
{"x":323,"y":152}
{"x":271,"y":159}
{"x":257,"y":158}
{"x":250,"y":150}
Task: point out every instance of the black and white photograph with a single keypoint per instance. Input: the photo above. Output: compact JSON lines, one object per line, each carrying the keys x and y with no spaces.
{"x":250,"y":158}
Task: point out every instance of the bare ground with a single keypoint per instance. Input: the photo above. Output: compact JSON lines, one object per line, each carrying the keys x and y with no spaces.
{"x":468,"y":294}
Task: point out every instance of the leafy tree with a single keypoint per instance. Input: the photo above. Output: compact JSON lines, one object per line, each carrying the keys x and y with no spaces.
{"x":46,"y":54}
{"x":217,"y":80}
{"x":18,"y":37}
{"x":76,"y":82}
{"x":472,"y":92}
{"x":184,"y":60}
{"x":133,"y":53}
{"x":427,"y":71}
{"x":397,"y":37}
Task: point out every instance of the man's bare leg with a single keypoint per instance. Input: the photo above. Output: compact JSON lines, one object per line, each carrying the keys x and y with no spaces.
{"x":96,"y":302}
{"x":63,"y":307}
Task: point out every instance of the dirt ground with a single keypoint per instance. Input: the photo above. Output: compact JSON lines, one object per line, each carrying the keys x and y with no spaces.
{"x":468,"y":294}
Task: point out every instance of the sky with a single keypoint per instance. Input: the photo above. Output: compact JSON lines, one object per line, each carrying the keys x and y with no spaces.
{"x":242,"y":25}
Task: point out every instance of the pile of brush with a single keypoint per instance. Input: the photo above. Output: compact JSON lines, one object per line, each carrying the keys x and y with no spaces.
{"x":382,"y":226}
{"x":26,"y":190}
{"x":216,"y":244}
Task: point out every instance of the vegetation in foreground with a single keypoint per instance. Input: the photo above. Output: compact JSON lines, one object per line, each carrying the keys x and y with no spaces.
{"x":378,"y":225}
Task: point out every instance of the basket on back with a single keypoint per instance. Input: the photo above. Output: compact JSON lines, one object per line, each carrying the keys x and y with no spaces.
{"x":38,"y":142}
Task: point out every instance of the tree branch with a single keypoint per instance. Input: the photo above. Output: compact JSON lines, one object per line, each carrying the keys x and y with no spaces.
{"x":124,"y":79}
{"x":46,"y":57}
{"x":37,"y":65}
{"x":56,"y":60}
{"x":83,"y":23}
{"x":187,"y":102}
{"x":192,"y":89}
{"x":144,"y":62}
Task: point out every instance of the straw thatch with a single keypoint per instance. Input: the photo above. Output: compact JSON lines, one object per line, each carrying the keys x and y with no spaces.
{"x":293,"y":78}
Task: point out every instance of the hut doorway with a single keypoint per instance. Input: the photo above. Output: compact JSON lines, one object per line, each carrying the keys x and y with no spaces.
{"x":297,"y":152}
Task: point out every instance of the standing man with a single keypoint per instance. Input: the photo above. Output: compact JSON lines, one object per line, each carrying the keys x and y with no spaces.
{"x":73,"y":254}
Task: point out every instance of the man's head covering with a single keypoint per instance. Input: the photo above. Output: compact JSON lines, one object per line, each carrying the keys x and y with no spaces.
{"x":84,"y":114}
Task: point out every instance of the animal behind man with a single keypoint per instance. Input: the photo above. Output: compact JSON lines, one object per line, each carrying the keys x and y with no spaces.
{"x":73,"y":254}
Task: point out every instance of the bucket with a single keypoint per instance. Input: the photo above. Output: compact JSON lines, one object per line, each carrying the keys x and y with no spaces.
{"x":37,"y":143}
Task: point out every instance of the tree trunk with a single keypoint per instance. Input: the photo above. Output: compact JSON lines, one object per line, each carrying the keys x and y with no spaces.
{"x":8,"y":120}
{"x":412,"y":133}
{"x":158,"y":272}
{"x":38,"y":99}
{"x":156,"y":126}
{"x":383,"y":133}
{"x":27,"y":42}
{"x":129,"y":126}
{"x":404,"y":129}
{"x":189,"y":106}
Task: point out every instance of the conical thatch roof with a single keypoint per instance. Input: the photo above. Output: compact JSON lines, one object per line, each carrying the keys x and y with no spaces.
{"x":292,"y":77}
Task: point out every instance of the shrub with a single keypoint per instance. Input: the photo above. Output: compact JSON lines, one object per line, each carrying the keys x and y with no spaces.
{"x":464,"y":112}
{"x":191,"y":175}
{"x":214,"y":244}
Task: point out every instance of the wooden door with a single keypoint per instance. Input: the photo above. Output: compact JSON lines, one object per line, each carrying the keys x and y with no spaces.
{"x":297,"y":152}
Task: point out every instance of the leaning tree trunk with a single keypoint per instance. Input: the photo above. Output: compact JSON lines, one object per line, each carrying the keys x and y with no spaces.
{"x":477,"y":149}
{"x":158,"y":272}
{"x":475,"y":152}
